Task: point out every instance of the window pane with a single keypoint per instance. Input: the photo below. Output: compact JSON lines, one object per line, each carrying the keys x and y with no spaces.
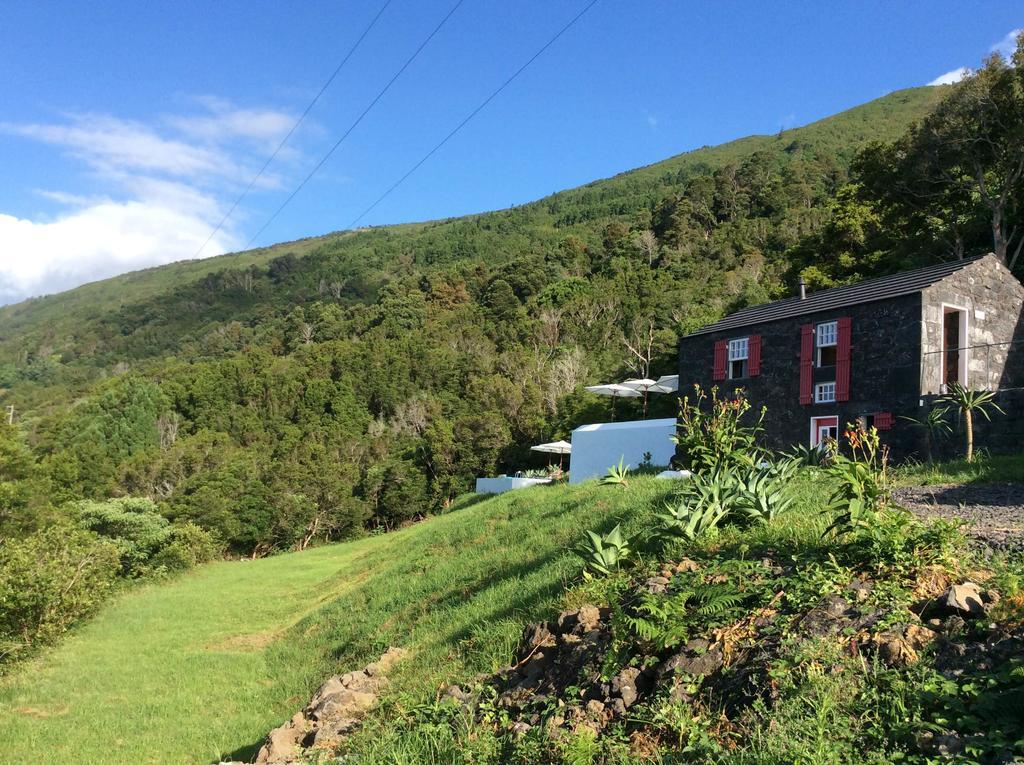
{"x":738,"y":349}
{"x":826,"y":334}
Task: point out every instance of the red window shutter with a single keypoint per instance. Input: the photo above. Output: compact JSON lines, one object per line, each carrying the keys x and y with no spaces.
{"x":843,"y":359}
{"x":754,"y":355}
{"x":721,"y":352}
{"x":806,"y":363}
{"x":883,"y":420}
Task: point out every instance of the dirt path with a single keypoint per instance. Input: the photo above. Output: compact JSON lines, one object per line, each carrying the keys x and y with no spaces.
{"x":994,"y":512}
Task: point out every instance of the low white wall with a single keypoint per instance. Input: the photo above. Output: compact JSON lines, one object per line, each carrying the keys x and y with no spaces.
{"x":597,"y":447}
{"x":506,"y":483}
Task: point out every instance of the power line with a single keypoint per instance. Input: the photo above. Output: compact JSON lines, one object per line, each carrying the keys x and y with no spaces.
{"x":476,"y":111}
{"x":272,"y":157}
{"x":359,"y":119}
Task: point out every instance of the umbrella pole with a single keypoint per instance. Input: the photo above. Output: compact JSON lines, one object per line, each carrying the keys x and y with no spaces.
{"x":645,"y":403}
{"x":613,"y":406}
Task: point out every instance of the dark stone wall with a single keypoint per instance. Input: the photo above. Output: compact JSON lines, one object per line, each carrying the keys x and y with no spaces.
{"x":1004,"y":434}
{"x":884,"y":375}
{"x":993,"y":300}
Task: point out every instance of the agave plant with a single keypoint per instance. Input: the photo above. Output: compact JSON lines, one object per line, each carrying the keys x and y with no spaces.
{"x":764,"y":494}
{"x":605,"y":554}
{"x":688,"y":519}
{"x":617,"y":475}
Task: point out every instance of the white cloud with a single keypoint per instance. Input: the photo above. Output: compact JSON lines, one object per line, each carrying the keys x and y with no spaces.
{"x":951,"y":77}
{"x":159,"y":191}
{"x":96,"y":242}
{"x":1004,"y":47}
{"x":1007,"y":45}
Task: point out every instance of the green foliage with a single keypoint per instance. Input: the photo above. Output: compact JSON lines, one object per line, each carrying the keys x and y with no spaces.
{"x":48,"y":581}
{"x":617,"y":475}
{"x":604,"y":554}
{"x":145,"y":540}
{"x":933,"y":425}
{"x":715,"y":432}
{"x":303,"y":393}
{"x":862,"y":490}
{"x":687,"y":518}
{"x":967,"y":402}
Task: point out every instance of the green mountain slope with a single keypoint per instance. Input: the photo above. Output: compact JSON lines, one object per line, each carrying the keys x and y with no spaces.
{"x":842,"y":134}
{"x":364,"y":378}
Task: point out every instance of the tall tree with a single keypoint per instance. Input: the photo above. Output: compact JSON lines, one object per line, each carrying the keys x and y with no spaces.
{"x":961,"y":164}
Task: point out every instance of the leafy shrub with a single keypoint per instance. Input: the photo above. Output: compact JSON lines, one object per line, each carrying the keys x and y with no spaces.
{"x":50,"y":580}
{"x":189,"y":546}
{"x":134,"y":525}
{"x":861,"y":483}
{"x":605,"y":554}
{"x":146,"y":541}
{"x":712,"y":432}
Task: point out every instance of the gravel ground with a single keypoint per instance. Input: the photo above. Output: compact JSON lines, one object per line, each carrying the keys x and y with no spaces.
{"x":994,"y":512}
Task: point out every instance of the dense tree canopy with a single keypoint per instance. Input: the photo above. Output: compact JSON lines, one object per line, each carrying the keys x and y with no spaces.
{"x":280,"y":402}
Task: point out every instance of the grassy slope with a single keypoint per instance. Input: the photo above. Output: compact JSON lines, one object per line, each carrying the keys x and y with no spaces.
{"x":202,"y":667}
{"x":882,"y":119}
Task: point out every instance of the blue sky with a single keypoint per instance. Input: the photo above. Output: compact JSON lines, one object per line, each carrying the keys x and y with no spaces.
{"x":128,"y":129}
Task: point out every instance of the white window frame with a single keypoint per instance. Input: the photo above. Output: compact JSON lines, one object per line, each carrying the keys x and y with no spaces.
{"x":739,"y":350}
{"x":826,"y":335}
{"x":820,"y":391}
{"x":738,"y":346}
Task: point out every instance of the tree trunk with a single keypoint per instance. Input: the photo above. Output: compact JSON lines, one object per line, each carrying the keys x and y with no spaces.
{"x":969,"y":428}
{"x":999,"y":244}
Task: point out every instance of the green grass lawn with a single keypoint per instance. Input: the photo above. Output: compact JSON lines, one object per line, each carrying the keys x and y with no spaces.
{"x":984,"y":469}
{"x":200,"y":668}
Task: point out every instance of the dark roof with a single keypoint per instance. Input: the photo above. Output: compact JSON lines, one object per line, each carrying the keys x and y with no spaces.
{"x":882,"y":288}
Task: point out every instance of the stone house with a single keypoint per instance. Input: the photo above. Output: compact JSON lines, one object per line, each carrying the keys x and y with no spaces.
{"x":871,"y":352}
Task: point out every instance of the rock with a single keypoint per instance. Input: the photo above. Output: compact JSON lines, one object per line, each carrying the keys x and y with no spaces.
{"x":537,"y":636}
{"x":827,"y":617}
{"x":589,"y":618}
{"x":347,"y":703}
{"x":860,"y":589}
{"x":687,"y":662}
{"x":520,"y":728}
{"x":456,"y":693}
{"x":657,"y":585}
{"x":918,"y":636}
{"x":330,"y":734}
{"x":595,"y":708}
{"x":624,"y":686}
{"x":687,"y":565}
{"x":283,"y":743}
{"x":963,"y":600}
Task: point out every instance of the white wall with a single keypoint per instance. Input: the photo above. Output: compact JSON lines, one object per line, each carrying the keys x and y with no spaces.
{"x":504,"y":483}
{"x":595,"y":448}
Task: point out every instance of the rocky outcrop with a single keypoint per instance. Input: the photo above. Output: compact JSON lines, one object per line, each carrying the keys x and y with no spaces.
{"x":333,"y":712}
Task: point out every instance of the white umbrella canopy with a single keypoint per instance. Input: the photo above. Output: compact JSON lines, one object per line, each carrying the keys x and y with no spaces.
{"x":666,"y":384}
{"x":615,"y":390}
{"x":555,"y":447}
{"x":645,"y":385}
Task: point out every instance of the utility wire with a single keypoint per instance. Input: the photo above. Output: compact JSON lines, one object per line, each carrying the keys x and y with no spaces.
{"x":272,"y":157}
{"x":476,"y":111}
{"x":359,"y":119}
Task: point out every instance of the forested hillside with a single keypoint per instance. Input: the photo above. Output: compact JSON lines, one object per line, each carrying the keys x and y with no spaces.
{"x":359,"y":380}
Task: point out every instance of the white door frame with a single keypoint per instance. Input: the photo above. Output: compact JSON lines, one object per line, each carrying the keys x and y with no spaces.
{"x":827,"y":420}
